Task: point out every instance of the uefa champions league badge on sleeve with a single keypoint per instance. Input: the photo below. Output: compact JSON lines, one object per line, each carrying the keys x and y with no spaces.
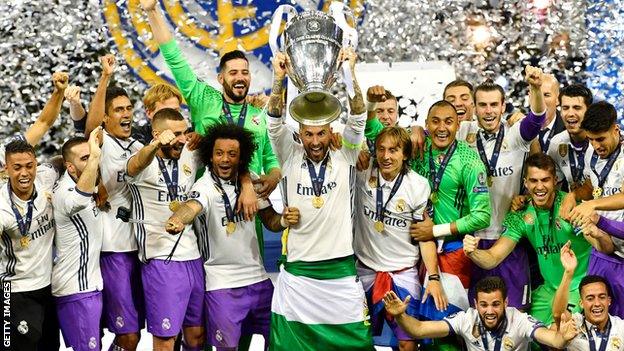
{"x":206,"y":29}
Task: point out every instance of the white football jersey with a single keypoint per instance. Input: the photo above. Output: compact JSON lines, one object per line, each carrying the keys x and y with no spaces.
{"x":233,"y":260}
{"x":78,"y":240}
{"x":615,"y":342}
{"x":118,"y":235}
{"x":507,"y":177}
{"x":326,"y":232}
{"x":150,"y":205}
{"x":392,"y":248}
{"x":26,"y":261}
{"x":517,"y":335}
{"x":561,"y":150}
{"x":612,"y":185}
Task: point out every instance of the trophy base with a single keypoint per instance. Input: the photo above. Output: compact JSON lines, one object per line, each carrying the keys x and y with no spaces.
{"x":315,"y":108}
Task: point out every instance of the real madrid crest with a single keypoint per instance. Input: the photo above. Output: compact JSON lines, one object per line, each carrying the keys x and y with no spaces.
{"x":616,"y":343}
{"x":187,"y":170}
{"x":471,"y":138}
{"x":528,"y":219}
{"x":508,"y":344}
{"x":563,"y":150}
{"x":400,"y":205}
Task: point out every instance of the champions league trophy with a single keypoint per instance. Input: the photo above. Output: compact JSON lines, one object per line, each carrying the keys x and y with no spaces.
{"x":312,"y":40}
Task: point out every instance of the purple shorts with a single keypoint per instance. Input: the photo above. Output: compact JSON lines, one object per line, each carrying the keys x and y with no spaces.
{"x":232,"y":312}
{"x":173,"y":295}
{"x":123,"y":292}
{"x":514,"y":270}
{"x":611,"y":268}
{"x":79,"y":318}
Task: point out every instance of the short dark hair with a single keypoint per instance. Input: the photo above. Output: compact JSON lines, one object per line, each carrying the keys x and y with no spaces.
{"x":540,"y":161}
{"x":244,"y":137}
{"x":458,"y":83}
{"x":576,"y":90}
{"x":231,"y":55}
{"x":491,"y":284}
{"x":390,"y":96}
{"x":69,"y":144}
{"x":589,"y":279}
{"x":112,"y":93}
{"x":441,"y":103}
{"x":402,"y":137}
{"x":18,"y":146}
{"x":599,"y":117}
{"x":167,"y":114}
{"x":489,"y":85}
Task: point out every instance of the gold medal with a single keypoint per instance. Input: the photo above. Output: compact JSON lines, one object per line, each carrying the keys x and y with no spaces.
{"x":597,"y":192}
{"x":317,"y":202}
{"x":434,"y":197}
{"x":379,"y":226}
{"x":230,"y":227}
{"x":490,"y":181}
{"x":174,"y":205}
{"x":25,"y":241}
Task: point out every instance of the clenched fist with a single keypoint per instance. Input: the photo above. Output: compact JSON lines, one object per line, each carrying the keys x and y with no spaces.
{"x":471,"y":244}
{"x":60,"y":81}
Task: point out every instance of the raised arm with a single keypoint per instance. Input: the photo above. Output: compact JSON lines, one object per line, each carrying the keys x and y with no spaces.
{"x":281,"y":138}
{"x":97,"y":107}
{"x":561,"y":299}
{"x":356,"y":121}
{"x":50,"y":111}
{"x":86,"y":181}
{"x":139,"y":161}
{"x":532,"y":123}
{"x":490,"y":258}
{"x":557,"y":339}
{"x":161,"y":32}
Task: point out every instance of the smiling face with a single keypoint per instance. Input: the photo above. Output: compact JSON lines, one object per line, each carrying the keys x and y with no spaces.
{"x":387,"y":112}
{"x":541,"y":185}
{"x":442,"y":125}
{"x":22,"y":170}
{"x":489,"y":109}
{"x":595,"y":301}
{"x":315,"y":140}
{"x":235,"y":79}
{"x":226,"y":158}
{"x":573,"y":110}
{"x":461,"y":98}
{"x":491,"y":307}
{"x":118,"y":117}
{"x":178,"y":128}
{"x":550,"y":91}
{"x":604,"y":143}
{"x":390,"y":157}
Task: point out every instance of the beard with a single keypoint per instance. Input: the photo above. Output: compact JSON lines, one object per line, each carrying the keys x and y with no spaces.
{"x":227,"y":89}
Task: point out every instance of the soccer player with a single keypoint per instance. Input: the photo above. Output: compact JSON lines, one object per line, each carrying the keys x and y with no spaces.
{"x":606,"y":163}
{"x":460,"y":93}
{"x":209,"y":106}
{"x":27,"y":227}
{"x":389,"y":197}
{"x":161,"y":175}
{"x":319,"y":260}
{"x":545,"y":230}
{"x":76,"y":278}
{"x":502,"y":149}
{"x":599,"y":330}
{"x":157,"y":97}
{"x":491,"y":325}
{"x":387,"y":111}
{"x":569,"y":147}
{"x":238,"y":290}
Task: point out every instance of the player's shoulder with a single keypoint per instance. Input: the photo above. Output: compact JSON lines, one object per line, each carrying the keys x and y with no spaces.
{"x":465,"y":152}
{"x":516,"y":316}
{"x":415,"y":180}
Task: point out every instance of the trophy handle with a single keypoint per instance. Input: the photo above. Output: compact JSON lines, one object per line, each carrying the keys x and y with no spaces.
{"x":276,"y":21}
{"x":338,"y":10}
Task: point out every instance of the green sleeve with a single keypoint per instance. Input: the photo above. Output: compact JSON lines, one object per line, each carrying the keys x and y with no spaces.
{"x":372,"y":129}
{"x":269,"y":160}
{"x":478,"y":196}
{"x":200,"y":97}
{"x":513,"y":226}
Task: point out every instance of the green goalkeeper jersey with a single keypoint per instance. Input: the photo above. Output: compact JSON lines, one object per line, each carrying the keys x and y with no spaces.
{"x":547,"y":236}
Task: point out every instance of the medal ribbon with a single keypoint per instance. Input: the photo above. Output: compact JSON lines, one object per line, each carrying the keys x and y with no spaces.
{"x":577,"y":162}
{"x":228,"y":114}
{"x":380,"y":205}
{"x":498,"y":335}
{"x":317,"y":180}
{"x":545,"y":144}
{"x":602,"y":177}
{"x":604,"y":337}
{"x":436,"y":177}
{"x":172,"y":182}
{"x":23,"y":223}
{"x":229,"y":213}
{"x":491,"y":165}
{"x":551,"y":222}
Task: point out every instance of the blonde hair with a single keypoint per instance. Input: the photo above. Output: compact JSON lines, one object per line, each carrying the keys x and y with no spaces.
{"x":159,"y":92}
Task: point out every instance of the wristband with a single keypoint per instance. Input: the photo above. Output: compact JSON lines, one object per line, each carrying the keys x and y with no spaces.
{"x":435,"y":277}
{"x":441,"y":230}
{"x":371,"y":106}
{"x":283,"y":222}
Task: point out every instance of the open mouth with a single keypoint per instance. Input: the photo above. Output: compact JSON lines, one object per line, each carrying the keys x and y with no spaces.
{"x":461,"y":111}
{"x":240,"y":87}
{"x":224,"y":168}
{"x":126,"y":125}
{"x":489,"y":119}
{"x":540,"y":195}
{"x":442,"y":136}
{"x":572,"y":122}
{"x":24,"y":182}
